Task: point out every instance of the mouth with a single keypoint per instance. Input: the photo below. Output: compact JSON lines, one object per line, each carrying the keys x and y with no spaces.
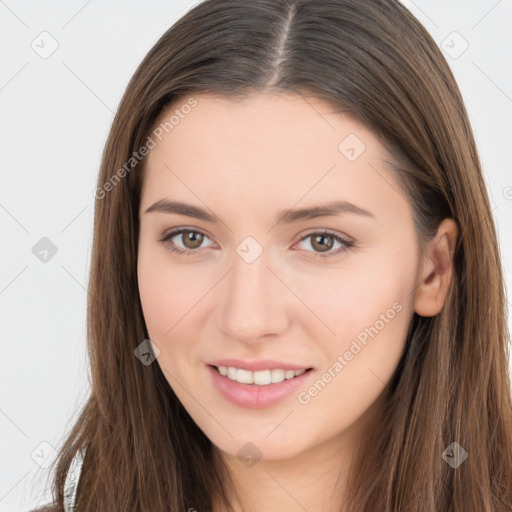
{"x":260,"y":377}
{"x":262,"y":388}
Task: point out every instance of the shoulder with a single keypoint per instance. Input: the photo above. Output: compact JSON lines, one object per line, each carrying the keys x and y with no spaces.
{"x":72,"y":478}
{"x":70,"y":486}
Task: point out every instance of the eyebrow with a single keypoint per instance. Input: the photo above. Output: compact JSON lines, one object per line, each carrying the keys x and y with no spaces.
{"x":332,"y":208}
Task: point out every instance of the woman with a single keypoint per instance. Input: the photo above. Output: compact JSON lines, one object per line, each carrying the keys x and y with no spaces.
{"x":296,"y":298}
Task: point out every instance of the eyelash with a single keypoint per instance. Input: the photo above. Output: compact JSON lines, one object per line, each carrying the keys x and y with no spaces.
{"x":172,"y":248}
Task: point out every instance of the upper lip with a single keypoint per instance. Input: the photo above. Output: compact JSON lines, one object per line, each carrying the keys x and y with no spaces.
{"x":261,"y":364}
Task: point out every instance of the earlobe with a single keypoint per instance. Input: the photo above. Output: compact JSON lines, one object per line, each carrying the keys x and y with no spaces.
{"x":437,"y":270}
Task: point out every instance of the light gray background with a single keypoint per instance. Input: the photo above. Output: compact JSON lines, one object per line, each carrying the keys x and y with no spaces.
{"x":55,"y":114}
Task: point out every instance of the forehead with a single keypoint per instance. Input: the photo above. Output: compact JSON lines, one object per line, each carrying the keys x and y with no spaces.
{"x":272,"y":125}
{"x":265,"y":148}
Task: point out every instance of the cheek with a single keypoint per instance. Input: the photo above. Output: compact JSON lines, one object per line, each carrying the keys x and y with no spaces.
{"x":359,"y":360}
{"x":169,"y":293}
{"x":364,"y":291}
{"x":159,"y":300}
{"x":170,"y":299}
{"x":368,"y":310}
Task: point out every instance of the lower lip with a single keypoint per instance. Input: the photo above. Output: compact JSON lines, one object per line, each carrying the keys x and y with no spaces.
{"x":252,"y":396}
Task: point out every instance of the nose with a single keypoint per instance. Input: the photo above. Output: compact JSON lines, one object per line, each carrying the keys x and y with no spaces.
{"x":253,"y":301}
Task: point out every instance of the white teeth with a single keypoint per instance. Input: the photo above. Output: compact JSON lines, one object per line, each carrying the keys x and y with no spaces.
{"x":244,"y":376}
{"x":260,"y":378}
{"x":278,"y":375}
{"x":288,"y":374}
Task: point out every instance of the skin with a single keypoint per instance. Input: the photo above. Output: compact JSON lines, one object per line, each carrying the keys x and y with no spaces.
{"x":244,"y":161}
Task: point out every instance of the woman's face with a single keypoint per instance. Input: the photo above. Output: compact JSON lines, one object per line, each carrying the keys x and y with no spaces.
{"x":255,"y":280}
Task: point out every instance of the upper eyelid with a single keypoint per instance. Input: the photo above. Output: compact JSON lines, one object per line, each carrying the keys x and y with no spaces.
{"x":178,"y":231}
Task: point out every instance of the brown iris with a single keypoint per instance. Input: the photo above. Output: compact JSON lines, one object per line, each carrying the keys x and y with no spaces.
{"x":318,"y":242}
{"x":193,"y":238}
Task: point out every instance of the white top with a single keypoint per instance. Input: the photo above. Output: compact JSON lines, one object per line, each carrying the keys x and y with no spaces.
{"x":71,"y":484}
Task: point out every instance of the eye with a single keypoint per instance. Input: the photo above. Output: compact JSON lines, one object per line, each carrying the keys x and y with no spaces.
{"x":191,"y":239}
{"x":319,"y":240}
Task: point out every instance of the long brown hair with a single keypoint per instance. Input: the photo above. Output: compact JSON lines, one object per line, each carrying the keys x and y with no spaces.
{"x":371,"y":59}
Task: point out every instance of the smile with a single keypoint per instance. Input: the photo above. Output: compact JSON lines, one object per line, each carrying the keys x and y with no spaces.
{"x":258,"y":378}
{"x":262,"y":392}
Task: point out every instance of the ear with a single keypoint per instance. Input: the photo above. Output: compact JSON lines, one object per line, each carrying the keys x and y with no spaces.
{"x":436,"y":271}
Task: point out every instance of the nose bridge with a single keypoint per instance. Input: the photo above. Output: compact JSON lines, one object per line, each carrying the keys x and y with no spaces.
{"x":253,"y":304}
